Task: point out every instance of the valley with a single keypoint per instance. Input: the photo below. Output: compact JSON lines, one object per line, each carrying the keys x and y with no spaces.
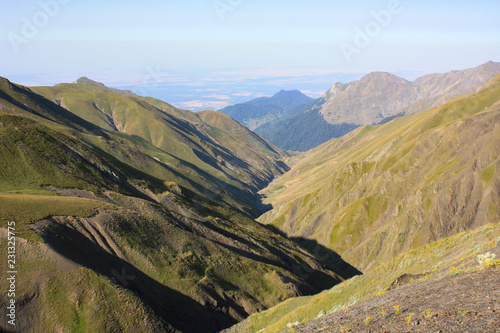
{"x":133,"y":215}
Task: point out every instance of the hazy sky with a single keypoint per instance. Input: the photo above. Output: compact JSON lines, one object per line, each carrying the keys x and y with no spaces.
{"x":131,"y":42}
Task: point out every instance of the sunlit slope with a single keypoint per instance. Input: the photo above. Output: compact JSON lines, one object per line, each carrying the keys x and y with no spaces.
{"x":222,"y":126}
{"x":376,"y":98}
{"x":382,"y":190}
{"x":379,"y":95}
{"x":20,"y":100}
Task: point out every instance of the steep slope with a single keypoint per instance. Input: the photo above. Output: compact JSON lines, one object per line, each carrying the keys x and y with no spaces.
{"x":117,"y":243}
{"x":16,"y":99}
{"x":376,"y":98}
{"x":455,"y":303}
{"x":259,"y":111}
{"x":240,"y":135}
{"x":182,"y":140}
{"x":382,"y":190}
{"x":454,"y":83}
{"x":367,"y":101}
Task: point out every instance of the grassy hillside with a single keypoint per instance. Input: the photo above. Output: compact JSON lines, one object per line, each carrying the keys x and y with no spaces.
{"x":189,"y":269}
{"x":117,"y":234}
{"x":214,"y":157}
{"x":240,"y":135}
{"x":383,"y":190}
{"x":58,"y":295}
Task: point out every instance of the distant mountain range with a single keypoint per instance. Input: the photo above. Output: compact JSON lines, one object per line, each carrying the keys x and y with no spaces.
{"x":263,"y":110}
{"x":376,"y":98}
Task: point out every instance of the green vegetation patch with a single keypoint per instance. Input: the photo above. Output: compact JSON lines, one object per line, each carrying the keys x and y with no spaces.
{"x":93,"y":306}
{"x":488,"y":173}
{"x":26,"y":209}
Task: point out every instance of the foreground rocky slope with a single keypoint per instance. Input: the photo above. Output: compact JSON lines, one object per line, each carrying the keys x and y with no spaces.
{"x":459,"y":301}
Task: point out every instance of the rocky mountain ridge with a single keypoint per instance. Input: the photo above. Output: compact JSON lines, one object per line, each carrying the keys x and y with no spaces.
{"x":377,"y":97}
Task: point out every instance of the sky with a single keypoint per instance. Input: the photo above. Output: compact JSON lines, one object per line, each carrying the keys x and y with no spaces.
{"x":212,"y":53}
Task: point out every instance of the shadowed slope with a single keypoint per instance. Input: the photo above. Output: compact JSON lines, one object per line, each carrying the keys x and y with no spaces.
{"x":263,"y":110}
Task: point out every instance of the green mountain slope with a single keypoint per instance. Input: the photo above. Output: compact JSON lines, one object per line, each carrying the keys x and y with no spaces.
{"x":181,"y":139}
{"x":112,"y":238}
{"x":290,"y":133}
{"x":381,"y":190}
{"x":240,"y":135}
{"x":412,"y":201}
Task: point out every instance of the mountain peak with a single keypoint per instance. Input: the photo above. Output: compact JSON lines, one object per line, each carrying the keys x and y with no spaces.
{"x":97,"y":86}
{"x":490,"y":65}
{"x":4,"y":80}
{"x":263,"y":110}
{"x":289,"y":92}
{"x":85,"y":79}
{"x":381,"y":76}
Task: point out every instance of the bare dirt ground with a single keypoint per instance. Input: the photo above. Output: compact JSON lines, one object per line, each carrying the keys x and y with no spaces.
{"x":452,"y":300}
